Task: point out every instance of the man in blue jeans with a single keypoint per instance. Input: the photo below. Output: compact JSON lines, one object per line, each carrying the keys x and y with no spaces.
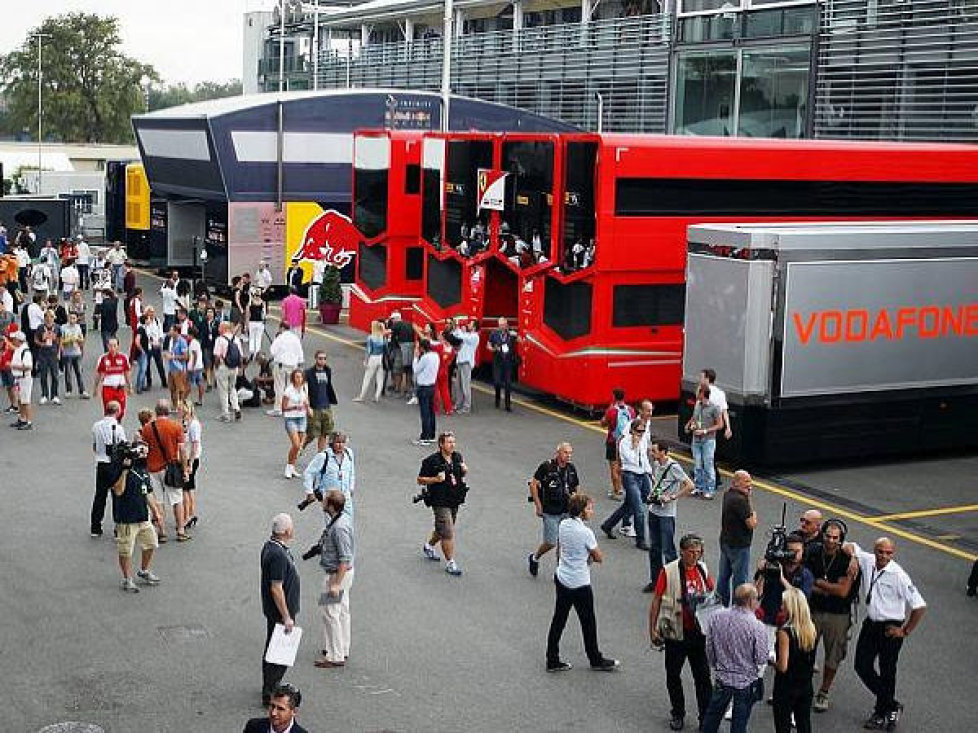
{"x":737,"y":522}
{"x":737,"y":649}
{"x":704,"y":424}
{"x":425,"y":369}
{"x":669,"y":484}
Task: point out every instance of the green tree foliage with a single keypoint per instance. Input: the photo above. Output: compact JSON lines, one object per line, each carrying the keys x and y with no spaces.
{"x":89,"y":87}
{"x":175,"y":94}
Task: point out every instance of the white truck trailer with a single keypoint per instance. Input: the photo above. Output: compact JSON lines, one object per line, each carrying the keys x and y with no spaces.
{"x":835,"y":340}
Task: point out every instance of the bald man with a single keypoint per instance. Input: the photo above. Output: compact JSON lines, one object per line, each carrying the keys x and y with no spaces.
{"x":888,"y":591}
{"x":737,"y":522}
{"x":279,"y":595}
{"x":551,"y":488}
{"x":810,"y":528}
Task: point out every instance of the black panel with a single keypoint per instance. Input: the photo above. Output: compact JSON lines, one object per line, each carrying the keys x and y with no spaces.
{"x":465,"y":157}
{"x":412,"y":179}
{"x":414,"y":263}
{"x":708,"y":197}
{"x":115,"y":200}
{"x":444,"y":281}
{"x":373,"y":265}
{"x":648,"y":305}
{"x":370,"y":202}
{"x":579,"y":193}
{"x":431,"y":205}
{"x":567,"y":308}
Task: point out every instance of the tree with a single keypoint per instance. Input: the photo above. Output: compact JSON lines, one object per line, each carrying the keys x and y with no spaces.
{"x":89,"y":87}
{"x":175,"y":94}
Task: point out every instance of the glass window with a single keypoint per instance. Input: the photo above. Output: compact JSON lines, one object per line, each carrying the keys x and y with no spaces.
{"x":648,"y":305}
{"x":774,"y":92}
{"x":800,"y":20}
{"x":705,"y":88}
{"x":699,"y":6}
{"x":567,"y":308}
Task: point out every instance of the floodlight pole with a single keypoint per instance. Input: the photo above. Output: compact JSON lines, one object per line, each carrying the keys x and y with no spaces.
{"x":40,"y":78}
{"x":446,"y":64}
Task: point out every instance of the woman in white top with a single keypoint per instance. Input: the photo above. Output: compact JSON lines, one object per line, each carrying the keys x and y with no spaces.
{"x":635,"y":470}
{"x":256,"y":313}
{"x":577,"y":549}
{"x":295,"y":410}
{"x":154,"y":336}
{"x":373,"y":362}
{"x":194,"y":450}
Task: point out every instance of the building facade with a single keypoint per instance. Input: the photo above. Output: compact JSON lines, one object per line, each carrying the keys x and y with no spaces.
{"x":871,"y":69}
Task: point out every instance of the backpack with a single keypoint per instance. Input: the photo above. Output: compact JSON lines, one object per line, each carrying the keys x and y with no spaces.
{"x":623,"y":421}
{"x":232,"y":359}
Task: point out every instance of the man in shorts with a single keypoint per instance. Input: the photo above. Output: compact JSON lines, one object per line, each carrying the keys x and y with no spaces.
{"x":322,"y":396}
{"x":165,"y":440}
{"x":131,"y":514}
{"x":551,"y":488}
{"x":442,"y":477}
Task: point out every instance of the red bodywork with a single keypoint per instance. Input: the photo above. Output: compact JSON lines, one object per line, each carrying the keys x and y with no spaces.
{"x":391,"y":284}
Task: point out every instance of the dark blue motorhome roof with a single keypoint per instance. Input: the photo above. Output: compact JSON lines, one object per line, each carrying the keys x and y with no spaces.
{"x":227,"y":149}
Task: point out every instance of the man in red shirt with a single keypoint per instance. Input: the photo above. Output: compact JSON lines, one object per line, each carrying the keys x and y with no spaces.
{"x":113,"y":376}
{"x":616,"y":420}
{"x":672,"y":623}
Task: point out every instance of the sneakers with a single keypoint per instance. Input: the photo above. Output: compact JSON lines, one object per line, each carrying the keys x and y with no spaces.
{"x":677,"y":722}
{"x":148,"y":577}
{"x":875,"y":722}
{"x":893,"y":717}
{"x":237,"y":415}
{"x":649,"y":587}
{"x":357,"y":399}
{"x":413,"y":401}
{"x":429,"y":552}
{"x":25,"y":426}
{"x":821,"y":703}
{"x":128,"y":586}
{"x":609,"y":533}
{"x":289,"y":470}
{"x":628,"y":531}
{"x":55,"y":400}
{"x":11,"y":410}
{"x":606,"y":665}
{"x":619,"y":496}
{"x":534,"y":564}
{"x":452,"y":569}
{"x":42,"y":401}
{"x":96,"y":532}
{"x":86,"y":396}
{"x":558,"y":666}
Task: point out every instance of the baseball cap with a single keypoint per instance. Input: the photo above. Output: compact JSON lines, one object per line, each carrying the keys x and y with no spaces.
{"x":396,"y":314}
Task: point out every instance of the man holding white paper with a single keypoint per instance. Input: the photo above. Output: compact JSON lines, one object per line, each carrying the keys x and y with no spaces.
{"x":279,"y":595}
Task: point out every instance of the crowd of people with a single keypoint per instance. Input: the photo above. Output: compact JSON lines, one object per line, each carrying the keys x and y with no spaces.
{"x":730,"y":627}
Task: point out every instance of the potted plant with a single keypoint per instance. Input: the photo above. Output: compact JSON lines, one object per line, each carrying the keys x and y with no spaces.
{"x":330,"y":296}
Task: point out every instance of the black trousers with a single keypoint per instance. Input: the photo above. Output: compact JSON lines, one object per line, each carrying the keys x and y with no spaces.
{"x":973,"y":578}
{"x":693,"y":649}
{"x":502,"y":379}
{"x":582,"y":600}
{"x":83,"y":281}
{"x":426,"y":407}
{"x":155,"y":357}
{"x":271,"y":674}
{"x":103,"y":482}
{"x":796,"y":702}
{"x":874,"y":644}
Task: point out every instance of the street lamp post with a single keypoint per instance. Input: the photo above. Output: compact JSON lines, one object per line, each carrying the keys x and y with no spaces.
{"x":40,"y":78}
{"x":281,"y":47}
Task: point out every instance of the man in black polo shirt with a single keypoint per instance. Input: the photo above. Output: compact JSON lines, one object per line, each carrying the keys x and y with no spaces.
{"x":550,"y":488}
{"x":737,"y":522}
{"x":402,"y":336}
{"x":279,"y":595}
{"x":322,"y":396}
{"x":131,"y":515}
{"x":443,"y":475}
{"x":836,"y":574}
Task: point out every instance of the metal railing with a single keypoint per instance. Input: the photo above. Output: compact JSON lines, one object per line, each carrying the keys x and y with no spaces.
{"x":552,"y":70}
{"x":898,"y":70}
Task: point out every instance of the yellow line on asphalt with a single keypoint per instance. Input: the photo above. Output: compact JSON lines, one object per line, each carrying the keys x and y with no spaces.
{"x":928,"y":513}
{"x":874,"y":522}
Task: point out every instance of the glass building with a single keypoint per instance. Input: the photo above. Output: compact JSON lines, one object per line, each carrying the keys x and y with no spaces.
{"x":874,"y":69}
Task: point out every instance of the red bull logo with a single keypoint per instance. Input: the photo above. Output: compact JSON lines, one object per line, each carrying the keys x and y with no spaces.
{"x":330,"y":238}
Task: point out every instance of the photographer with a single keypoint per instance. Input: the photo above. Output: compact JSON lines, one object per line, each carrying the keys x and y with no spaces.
{"x":781,"y":569}
{"x":332,"y":468}
{"x":130,"y":511}
{"x":442,"y":478}
{"x":672,"y":622}
{"x":550,"y":489}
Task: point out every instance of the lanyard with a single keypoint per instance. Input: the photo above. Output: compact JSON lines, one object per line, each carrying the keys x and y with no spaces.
{"x":872,"y":583}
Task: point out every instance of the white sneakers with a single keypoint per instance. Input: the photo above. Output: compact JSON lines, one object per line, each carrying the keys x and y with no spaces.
{"x":289,"y":471}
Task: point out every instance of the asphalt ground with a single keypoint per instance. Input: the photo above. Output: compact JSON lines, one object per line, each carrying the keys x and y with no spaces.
{"x":430,"y":652}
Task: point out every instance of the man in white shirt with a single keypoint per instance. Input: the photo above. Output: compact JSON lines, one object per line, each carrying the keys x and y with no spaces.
{"x":22,"y":366}
{"x":105,"y":434}
{"x":83,"y":261}
{"x":116,"y":258}
{"x":465,"y":361}
{"x":69,"y":280}
{"x":168,"y":294}
{"x":286,"y":354}
{"x":425,"y":369}
{"x":7,"y":299}
{"x":888,"y":592}
{"x":263,"y":276}
{"x":35,"y":312}
{"x":41,"y":278}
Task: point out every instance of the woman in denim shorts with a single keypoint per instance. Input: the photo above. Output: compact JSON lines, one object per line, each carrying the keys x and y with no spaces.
{"x":295,"y":410}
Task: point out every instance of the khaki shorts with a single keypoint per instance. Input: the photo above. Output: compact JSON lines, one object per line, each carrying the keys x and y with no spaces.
{"x":445,"y":521}
{"x":833,"y":628}
{"x":170,"y":495}
{"x":128,"y":534}
{"x":320,"y":425}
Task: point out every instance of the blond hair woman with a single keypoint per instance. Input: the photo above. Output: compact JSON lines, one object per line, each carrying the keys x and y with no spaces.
{"x":373,"y":362}
{"x":795,"y":663}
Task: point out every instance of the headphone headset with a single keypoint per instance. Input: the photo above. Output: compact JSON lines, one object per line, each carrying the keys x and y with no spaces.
{"x":843,"y":528}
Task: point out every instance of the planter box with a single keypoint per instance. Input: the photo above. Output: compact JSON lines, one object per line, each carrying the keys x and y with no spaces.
{"x":329,"y":313}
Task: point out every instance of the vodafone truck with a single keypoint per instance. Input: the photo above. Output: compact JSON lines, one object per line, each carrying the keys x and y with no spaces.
{"x":835,"y":340}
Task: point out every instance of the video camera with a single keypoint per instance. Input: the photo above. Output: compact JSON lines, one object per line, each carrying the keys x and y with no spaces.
{"x":777,"y":551}
{"x":422,"y":495}
{"x":123,"y":452}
